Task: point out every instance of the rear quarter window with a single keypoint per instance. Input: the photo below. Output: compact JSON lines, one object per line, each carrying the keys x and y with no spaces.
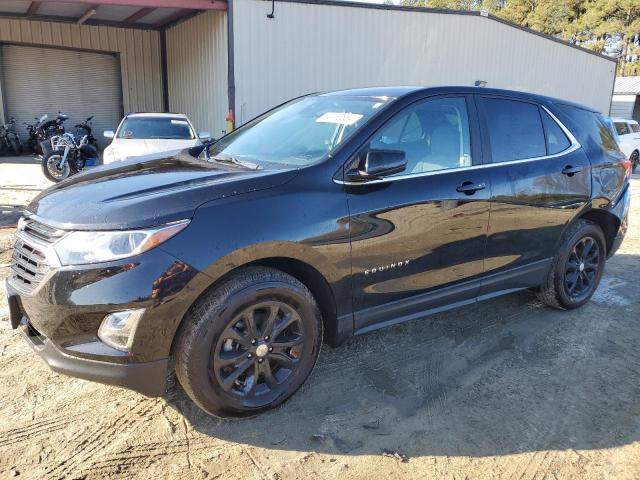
{"x":635,"y":128}
{"x":557,"y":140}
{"x":591,"y":131}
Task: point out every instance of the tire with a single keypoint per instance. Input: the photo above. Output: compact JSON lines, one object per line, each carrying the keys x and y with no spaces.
{"x":635,"y":160}
{"x":575,"y":259}
{"x":15,"y":146}
{"x":218,"y":360}
{"x":76,"y":165}
{"x":48,"y":166}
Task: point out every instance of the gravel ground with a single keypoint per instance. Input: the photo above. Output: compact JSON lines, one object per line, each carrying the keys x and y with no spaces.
{"x":504,"y":389}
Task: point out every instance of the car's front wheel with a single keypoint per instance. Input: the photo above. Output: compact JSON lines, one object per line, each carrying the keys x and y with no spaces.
{"x":577,"y":267}
{"x":249,"y":343}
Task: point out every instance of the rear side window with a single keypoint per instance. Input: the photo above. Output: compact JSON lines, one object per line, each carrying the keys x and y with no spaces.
{"x":622,"y":128}
{"x":592,"y":131}
{"x":557,"y":141}
{"x":515,"y":130}
{"x":635,"y":128}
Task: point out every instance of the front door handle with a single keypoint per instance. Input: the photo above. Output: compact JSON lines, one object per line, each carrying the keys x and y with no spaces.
{"x":570,"y":170}
{"x":469,"y":188}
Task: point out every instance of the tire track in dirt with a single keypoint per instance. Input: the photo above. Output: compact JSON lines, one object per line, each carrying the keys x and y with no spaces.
{"x":84,"y":445}
{"x":142,"y":456}
{"x":34,"y":430}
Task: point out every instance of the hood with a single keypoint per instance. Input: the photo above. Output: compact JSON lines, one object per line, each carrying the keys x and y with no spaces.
{"x":135,"y":194}
{"x":123,"y":148}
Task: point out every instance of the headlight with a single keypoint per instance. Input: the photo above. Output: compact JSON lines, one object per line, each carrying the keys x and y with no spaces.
{"x":79,"y":248}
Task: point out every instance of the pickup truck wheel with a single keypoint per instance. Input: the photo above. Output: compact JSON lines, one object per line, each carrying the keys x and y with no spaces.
{"x":248,"y":344}
{"x":577,"y":267}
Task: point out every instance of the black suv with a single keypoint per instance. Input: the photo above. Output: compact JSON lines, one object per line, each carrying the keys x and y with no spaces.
{"x":332,"y":215}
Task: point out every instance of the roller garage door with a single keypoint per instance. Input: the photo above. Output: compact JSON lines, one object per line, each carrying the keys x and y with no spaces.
{"x":47,"y":80}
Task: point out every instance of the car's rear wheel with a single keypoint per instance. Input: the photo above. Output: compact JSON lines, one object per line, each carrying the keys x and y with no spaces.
{"x":248,"y":344}
{"x":577,"y":267}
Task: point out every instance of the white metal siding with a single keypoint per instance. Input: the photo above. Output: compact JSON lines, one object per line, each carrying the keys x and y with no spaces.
{"x":139,"y":52}
{"x":80,"y":84}
{"x":622,"y":106}
{"x":197,"y":71}
{"x":310,"y":47}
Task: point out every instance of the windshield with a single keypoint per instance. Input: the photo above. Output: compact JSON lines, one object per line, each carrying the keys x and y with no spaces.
{"x":156,"y":128}
{"x":300,"y":132}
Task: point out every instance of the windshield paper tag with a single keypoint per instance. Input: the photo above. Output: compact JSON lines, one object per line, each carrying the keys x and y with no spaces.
{"x":339,"y":118}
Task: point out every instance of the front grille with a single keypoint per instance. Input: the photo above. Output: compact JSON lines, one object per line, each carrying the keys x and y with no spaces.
{"x":41,"y":231}
{"x":29,"y":264}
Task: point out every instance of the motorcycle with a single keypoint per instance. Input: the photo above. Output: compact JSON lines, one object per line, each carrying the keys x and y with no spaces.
{"x":85,"y":128}
{"x":32,"y":143}
{"x":70,"y":155}
{"x":9,"y":140}
{"x":46,"y":129}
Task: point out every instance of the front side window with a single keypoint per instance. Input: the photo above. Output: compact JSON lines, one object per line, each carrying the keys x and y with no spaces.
{"x":160,"y":128}
{"x":433,"y":134}
{"x":298,"y":133}
{"x":515,"y":130}
{"x":622,"y":128}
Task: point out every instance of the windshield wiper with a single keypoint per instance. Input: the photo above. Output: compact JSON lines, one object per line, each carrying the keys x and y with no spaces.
{"x":237,"y":161}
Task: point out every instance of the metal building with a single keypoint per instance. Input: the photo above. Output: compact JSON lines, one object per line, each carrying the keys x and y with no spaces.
{"x":626,"y":98}
{"x":206,"y":57}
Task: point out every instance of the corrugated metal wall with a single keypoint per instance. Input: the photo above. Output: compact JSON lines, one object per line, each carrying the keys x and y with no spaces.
{"x":197,"y":71}
{"x":622,"y":106}
{"x":139,"y":52}
{"x":310,"y":47}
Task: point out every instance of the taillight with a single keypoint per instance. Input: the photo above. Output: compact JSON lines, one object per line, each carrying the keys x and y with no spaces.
{"x":628,"y":167}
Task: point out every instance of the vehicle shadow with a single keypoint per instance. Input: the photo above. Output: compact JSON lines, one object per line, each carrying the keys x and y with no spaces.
{"x":10,"y":214}
{"x":503,"y":376}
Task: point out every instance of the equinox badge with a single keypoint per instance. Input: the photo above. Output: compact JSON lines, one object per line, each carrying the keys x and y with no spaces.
{"x":382,"y":268}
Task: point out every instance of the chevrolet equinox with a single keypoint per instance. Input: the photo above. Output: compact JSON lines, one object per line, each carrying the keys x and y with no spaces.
{"x":331,"y":215}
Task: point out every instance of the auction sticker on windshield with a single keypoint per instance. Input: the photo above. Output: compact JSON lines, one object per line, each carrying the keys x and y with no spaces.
{"x":339,"y":118}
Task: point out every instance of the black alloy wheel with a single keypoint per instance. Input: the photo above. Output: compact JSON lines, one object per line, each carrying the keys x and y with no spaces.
{"x":576,"y":268}
{"x":582,"y":268}
{"x":249,"y":343}
{"x":258,"y":351}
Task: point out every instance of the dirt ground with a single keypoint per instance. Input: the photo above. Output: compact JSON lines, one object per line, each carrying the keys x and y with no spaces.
{"x":504,"y":389}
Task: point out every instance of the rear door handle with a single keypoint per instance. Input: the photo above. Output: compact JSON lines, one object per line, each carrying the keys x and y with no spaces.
{"x":469,"y":188}
{"x":570,"y":170}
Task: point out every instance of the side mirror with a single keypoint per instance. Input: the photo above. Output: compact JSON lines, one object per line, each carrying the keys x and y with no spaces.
{"x":204,"y":135}
{"x":378,"y":164}
{"x":109,"y":134}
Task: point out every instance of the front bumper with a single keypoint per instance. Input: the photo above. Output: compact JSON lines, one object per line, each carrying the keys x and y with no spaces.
{"x":148,"y":378}
{"x":61,"y":317}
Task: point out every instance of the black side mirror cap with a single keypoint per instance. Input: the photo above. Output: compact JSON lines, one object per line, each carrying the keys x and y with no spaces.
{"x":377,"y":164}
{"x":198,"y":149}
